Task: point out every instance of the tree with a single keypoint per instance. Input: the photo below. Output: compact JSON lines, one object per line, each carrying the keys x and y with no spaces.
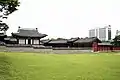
{"x":7,"y":7}
{"x":116,"y":41}
{"x":3,"y":27}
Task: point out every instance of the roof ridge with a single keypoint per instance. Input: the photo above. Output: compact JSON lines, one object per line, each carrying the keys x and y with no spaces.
{"x":27,"y":29}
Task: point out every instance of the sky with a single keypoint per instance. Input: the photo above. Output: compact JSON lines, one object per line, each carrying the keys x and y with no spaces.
{"x":65,"y":18}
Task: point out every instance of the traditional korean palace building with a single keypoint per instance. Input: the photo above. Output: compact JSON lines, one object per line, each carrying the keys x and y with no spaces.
{"x":31,"y":37}
{"x":73,"y":42}
{"x":25,"y":36}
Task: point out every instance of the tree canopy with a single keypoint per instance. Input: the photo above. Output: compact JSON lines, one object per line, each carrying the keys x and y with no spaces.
{"x":116,"y":41}
{"x":7,"y":7}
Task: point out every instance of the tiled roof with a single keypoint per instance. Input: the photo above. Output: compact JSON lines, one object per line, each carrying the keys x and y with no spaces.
{"x":73,"y":39}
{"x":45,"y":41}
{"x":61,"y":41}
{"x":29,"y":33}
{"x":87,"y":40}
{"x":10,"y":38}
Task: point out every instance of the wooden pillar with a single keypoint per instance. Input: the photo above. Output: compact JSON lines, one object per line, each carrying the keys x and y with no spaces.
{"x":39,"y":41}
{"x":25,"y":41}
{"x":95,"y":47}
{"x":17,"y":41}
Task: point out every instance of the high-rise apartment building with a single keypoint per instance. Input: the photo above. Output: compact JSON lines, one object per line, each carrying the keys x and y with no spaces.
{"x":104,"y":34}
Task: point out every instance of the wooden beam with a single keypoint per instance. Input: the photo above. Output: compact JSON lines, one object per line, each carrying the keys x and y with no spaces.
{"x":32,"y":41}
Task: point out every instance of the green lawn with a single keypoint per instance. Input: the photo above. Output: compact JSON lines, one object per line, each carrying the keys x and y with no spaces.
{"x":34,"y":66}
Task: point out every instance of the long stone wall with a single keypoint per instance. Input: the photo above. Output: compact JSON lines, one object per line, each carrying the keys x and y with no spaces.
{"x":28,"y":49}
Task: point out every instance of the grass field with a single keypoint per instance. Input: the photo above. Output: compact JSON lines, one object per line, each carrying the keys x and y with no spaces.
{"x":34,"y":66}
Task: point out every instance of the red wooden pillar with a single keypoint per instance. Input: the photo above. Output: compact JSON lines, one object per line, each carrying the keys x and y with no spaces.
{"x":100,"y":48}
{"x":95,"y":47}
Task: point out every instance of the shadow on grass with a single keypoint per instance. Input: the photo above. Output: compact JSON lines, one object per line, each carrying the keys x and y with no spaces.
{"x":5,"y":65}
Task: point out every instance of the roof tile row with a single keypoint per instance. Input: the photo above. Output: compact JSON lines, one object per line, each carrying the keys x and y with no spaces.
{"x":75,"y":40}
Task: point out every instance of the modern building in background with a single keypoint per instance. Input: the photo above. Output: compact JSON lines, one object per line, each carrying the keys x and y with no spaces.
{"x":104,"y":34}
{"x":117,"y":32}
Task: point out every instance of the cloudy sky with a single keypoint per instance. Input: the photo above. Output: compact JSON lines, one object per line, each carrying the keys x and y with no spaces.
{"x":66,"y":18}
